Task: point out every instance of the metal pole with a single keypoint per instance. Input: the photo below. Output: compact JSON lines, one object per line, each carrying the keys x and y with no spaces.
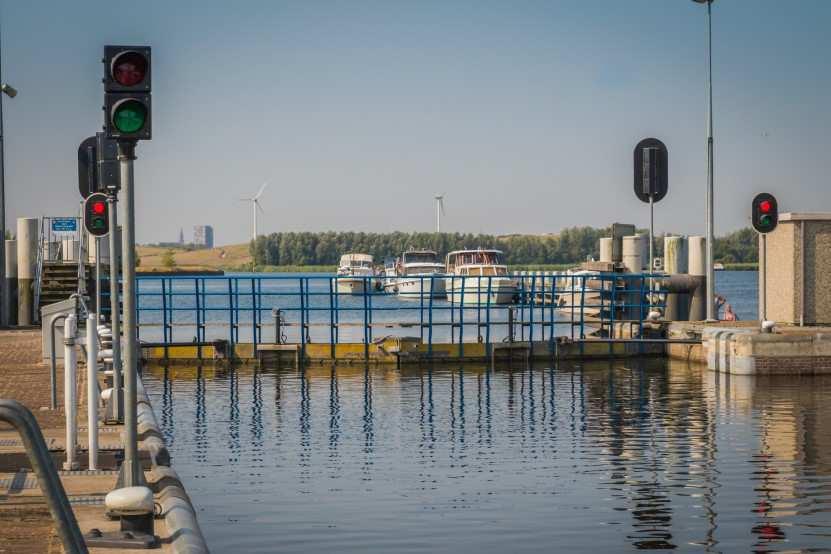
{"x":70,"y":328}
{"x":131,"y":475}
{"x":762,"y":277}
{"x":711,"y":315}
{"x":92,"y":388}
{"x":651,"y":232}
{"x":97,"y":277}
{"x":115,"y":307}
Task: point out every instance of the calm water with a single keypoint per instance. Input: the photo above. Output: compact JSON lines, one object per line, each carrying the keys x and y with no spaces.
{"x":578,"y":458}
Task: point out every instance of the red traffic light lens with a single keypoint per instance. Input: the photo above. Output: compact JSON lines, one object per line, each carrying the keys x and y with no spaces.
{"x":129,"y":69}
{"x":765,"y":206}
{"x":99,"y":208}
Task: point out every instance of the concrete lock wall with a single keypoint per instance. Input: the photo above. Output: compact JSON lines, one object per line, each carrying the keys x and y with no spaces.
{"x":798,"y":269}
{"x":27,"y":251}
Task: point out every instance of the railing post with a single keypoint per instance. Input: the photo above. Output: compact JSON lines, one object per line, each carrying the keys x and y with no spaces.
{"x":462,"y":319}
{"x":70,"y":329}
{"x":430,"y":325}
{"x":488,"y":317}
{"x":366,"y":321}
{"x":531,"y":311}
{"x":302,"y":320}
{"x":331,"y":321}
{"x":231,"y":317}
{"x":254,"y":312}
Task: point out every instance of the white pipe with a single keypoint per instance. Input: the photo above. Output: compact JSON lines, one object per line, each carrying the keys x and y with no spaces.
{"x":70,"y":361}
{"x":92,"y":388}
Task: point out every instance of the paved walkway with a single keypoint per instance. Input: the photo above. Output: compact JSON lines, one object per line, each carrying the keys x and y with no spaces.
{"x":25,"y":522}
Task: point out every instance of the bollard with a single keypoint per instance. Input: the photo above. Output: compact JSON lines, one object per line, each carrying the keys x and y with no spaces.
{"x":70,"y":361}
{"x":278,"y":324}
{"x":92,"y":389}
{"x":10,"y":292}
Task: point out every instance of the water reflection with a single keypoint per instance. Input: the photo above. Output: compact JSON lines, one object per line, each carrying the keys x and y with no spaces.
{"x":581,"y":457}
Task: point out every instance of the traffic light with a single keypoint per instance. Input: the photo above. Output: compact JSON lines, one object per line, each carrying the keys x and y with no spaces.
{"x":127,"y":105}
{"x":765,"y":212}
{"x":96,"y":214}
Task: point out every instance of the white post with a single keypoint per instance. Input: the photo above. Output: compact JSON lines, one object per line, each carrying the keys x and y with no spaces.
{"x":70,"y":361}
{"x":92,"y":388}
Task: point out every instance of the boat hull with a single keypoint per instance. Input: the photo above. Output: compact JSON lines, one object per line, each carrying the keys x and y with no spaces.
{"x":352,"y":285}
{"x":502,"y":291}
{"x":421,"y":286}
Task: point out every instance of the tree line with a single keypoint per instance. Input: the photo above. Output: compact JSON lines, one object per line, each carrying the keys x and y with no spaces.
{"x":571,"y":245}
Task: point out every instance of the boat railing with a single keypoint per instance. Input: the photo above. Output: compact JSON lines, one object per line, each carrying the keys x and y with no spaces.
{"x":186,"y":309}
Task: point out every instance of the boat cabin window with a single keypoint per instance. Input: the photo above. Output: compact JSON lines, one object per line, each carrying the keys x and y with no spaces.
{"x":419,"y":257}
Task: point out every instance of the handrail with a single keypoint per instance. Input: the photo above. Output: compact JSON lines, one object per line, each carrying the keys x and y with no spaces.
{"x":19,"y":416}
{"x":39,"y":269}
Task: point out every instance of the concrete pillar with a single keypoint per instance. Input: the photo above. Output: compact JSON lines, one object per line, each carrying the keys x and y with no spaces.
{"x":27,"y":259}
{"x":675,"y":263}
{"x":10,"y":300}
{"x":633,"y":254}
{"x":697,"y":259}
{"x":606,"y":249}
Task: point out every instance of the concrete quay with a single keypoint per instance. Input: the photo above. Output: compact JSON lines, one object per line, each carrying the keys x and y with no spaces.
{"x":26,"y":526}
{"x":740,"y":348}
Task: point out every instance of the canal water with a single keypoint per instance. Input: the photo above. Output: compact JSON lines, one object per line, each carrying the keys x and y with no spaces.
{"x":600,"y":457}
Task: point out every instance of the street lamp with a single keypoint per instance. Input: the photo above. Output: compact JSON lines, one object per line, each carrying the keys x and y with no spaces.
{"x":5,"y":298}
{"x":711,"y":315}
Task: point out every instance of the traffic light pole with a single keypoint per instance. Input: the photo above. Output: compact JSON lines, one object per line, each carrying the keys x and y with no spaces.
{"x":131,"y":470}
{"x":98,"y":279}
{"x":763,"y":254}
{"x":115,"y":308}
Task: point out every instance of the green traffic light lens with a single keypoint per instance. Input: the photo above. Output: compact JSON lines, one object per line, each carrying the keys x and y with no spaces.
{"x":129,"y":116}
{"x":766,"y":220}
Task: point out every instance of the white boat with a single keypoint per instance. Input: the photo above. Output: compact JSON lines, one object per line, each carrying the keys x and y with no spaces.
{"x":477,"y":277}
{"x":417,"y":273}
{"x":355,"y":274}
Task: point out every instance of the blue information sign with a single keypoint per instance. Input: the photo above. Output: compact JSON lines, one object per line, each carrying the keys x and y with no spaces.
{"x":64,"y":225}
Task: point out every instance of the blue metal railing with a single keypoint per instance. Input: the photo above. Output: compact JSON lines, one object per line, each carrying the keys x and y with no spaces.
{"x":315,"y":308}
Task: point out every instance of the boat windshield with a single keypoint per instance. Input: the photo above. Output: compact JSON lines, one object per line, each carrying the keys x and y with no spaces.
{"x":419,"y":257}
{"x":426,"y":268}
{"x":481,"y":257}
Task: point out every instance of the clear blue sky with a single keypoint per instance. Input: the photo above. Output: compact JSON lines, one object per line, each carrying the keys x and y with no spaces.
{"x":357,"y":112}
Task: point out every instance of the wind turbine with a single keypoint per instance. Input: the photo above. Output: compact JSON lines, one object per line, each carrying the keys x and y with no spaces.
{"x":439,"y":210}
{"x":255,"y":205}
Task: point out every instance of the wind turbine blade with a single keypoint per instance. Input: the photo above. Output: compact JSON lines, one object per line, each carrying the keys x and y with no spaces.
{"x":259,"y":192}
{"x":259,"y":207}
{"x":441,"y":204}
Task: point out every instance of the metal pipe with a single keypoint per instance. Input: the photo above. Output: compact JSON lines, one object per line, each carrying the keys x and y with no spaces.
{"x":70,"y":362}
{"x":13,"y":412}
{"x":131,"y":469}
{"x":53,"y":374}
{"x":92,"y":388}
{"x":115,"y":305}
{"x":711,"y":279}
{"x":762,"y":277}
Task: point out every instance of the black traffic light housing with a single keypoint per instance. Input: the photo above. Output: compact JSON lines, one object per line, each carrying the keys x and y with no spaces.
{"x":97,"y":214}
{"x":127,"y":98}
{"x":651,"y":170}
{"x":765,"y":212}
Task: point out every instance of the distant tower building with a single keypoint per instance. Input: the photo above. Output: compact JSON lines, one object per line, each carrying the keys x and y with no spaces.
{"x":181,"y":236}
{"x":203,"y":235}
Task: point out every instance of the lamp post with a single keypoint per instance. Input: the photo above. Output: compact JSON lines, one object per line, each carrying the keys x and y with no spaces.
{"x":711,"y":312}
{"x":11,"y":92}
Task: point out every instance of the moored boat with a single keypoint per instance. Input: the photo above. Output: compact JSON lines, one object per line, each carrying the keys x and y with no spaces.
{"x":419,"y":273}
{"x":355,"y":274}
{"x":479,"y":277}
